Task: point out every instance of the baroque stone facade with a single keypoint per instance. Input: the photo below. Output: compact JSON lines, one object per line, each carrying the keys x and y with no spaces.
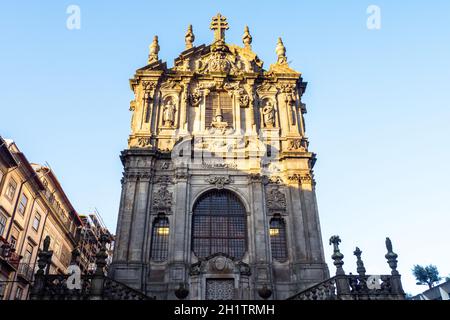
{"x":218,"y":195}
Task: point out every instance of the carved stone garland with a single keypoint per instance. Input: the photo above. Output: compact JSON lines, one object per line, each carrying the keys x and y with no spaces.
{"x":219,"y":181}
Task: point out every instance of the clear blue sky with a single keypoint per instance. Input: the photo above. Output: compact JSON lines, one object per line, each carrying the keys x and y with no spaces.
{"x":378,"y":105}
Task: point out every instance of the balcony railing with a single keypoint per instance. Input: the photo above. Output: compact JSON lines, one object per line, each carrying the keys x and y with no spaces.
{"x":26,"y":271}
{"x":8,"y":254}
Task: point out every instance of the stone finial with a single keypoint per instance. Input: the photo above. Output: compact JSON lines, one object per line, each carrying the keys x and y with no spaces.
{"x":154,"y":50}
{"x":391,"y":257}
{"x":359,"y":263}
{"x":247,"y":38}
{"x":337,"y":255}
{"x":219,"y":24}
{"x":281,"y":52}
{"x":189,"y":37}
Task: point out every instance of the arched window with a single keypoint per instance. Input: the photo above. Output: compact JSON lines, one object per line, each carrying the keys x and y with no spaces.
{"x":160,"y":239}
{"x":278,"y":243}
{"x":219,"y":225}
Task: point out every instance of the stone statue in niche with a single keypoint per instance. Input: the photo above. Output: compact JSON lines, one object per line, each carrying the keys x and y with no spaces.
{"x":169,"y":114}
{"x":268,"y":112}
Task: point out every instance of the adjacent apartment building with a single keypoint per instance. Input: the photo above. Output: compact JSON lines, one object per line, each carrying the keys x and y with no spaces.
{"x":32,"y":205}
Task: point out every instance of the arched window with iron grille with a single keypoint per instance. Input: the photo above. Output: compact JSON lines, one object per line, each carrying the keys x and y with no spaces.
{"x":160,"y":239}
{"x":277,"y":233}
{"x":219,"y":225}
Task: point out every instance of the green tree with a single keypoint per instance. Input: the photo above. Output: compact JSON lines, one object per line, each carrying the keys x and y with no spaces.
{"x":428,"y":275}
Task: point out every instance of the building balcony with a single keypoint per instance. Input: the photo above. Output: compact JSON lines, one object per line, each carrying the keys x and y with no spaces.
{"x":8,"y":256}
{"x":26,"y":271}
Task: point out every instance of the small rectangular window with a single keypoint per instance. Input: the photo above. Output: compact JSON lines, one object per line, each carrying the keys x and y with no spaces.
{"x":2,"y":224}
{"x":13,"y":242}
{"x":11,"y":189}
{"x":36,"y":221}
{"x":14,"y":237}
{"x":23,"y":204}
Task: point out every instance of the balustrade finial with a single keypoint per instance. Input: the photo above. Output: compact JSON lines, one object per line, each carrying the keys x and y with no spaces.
{"x":337,"y":255}
{"x":359,"y":263}
{"x":101,"y":256}
{"x":391,"y":257}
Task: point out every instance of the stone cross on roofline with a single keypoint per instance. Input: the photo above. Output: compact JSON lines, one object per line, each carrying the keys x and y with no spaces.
{"x":219,"y":24}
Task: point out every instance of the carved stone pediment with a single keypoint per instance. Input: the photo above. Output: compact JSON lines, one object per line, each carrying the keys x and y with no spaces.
{"x":219,"y":60}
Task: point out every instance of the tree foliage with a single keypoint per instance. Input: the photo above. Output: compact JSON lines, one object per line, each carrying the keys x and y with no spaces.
{"x":427,"y":275}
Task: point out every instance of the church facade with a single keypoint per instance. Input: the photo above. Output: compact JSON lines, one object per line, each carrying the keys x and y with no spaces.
{"x":218,"y":195}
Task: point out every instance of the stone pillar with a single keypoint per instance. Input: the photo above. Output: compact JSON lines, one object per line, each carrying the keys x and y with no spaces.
{"x":261,"y":273}
{"x":181,"y":214}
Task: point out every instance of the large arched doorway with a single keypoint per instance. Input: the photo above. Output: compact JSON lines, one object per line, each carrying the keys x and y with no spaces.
{"x":219,"y":225}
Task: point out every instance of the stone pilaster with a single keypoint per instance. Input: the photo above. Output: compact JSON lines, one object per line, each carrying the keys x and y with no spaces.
{"x":125,"y":217}
{"x":140,"y":219}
